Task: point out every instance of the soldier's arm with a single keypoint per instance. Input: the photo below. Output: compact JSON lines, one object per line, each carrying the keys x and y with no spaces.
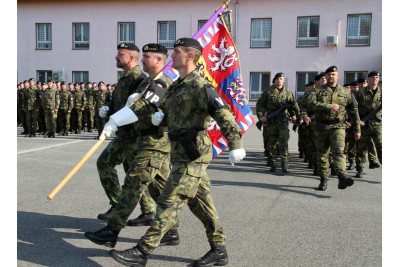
{"x":352,"y":111}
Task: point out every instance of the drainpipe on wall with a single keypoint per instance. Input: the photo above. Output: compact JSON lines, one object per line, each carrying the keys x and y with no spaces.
{"x":236,"y":19}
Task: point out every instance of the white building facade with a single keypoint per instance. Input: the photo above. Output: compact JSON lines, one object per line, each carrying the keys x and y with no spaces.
{"x":76,"y":41}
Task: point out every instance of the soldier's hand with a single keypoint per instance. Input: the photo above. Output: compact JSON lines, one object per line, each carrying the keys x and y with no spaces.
{"x":357,"y":136}
{"x":131,"y":99}
{"x":236,"y":155}
{"x":308,"y":120}
{"x":263,"y":120}
{"x":362,"y":123}
{"x":157,"y":118}
{"x":334,"y":107}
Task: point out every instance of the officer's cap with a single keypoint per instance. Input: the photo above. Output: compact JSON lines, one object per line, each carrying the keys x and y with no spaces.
{"x":128,"y":46}
{"x":374,"y":73}
{"x":189,"y":42}
{"x":331,"y":69}
{"x":279,"y":74}
{"x":155,"y":48}
{"x":361,"y":80}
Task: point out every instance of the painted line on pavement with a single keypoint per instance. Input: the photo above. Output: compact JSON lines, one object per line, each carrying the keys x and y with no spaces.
{"x":47,"y":147}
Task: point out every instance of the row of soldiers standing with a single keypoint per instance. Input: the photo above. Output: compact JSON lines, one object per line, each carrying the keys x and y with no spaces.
{"x":49,"y":108}
{"x":331,"y":131}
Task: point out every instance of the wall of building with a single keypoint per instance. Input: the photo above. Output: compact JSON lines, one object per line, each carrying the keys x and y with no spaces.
{"x":283,"y":56}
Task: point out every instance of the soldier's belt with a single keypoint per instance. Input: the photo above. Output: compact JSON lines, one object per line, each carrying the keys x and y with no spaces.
{"x":188,"y":142}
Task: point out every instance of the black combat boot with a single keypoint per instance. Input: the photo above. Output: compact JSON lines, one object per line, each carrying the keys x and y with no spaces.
{"x":333,"y":171}
{"x":345,"y":182}
{"x":351,"y":165}
{"x":171,"y":238}
{"x":374,"y":164}
{"x":104,"y":216}
{"x":285,"y":167}
{"x":273,"y":167}
{"x":323,"y":184}
{"x":217,"y":256}
{"x":32,"y":134}
{"x":359,"y":173}
{"x":301,"y":154}
{"x":315,"y":171}
{"x":105,"y":236}
{"x":142,"y":220}
{"x":130,"y":257}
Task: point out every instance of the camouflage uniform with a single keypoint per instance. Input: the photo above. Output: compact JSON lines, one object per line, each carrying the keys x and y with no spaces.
{"x":31,"y":109}
{"x":100,"y":99}
{"x":51,"y":103}
{"x":64,"y":111}
{"x":77,"y":111}
{"x":330,"y":126}
{"x":22,"y":112}
{"x":122,"y":148}
{"x":89,"y":109}
{"x":188,"y":106}
{"x":277,"y":127}
{"x":151,"y":166}
{"x":368,"y":100}
{"x":41,"y":118}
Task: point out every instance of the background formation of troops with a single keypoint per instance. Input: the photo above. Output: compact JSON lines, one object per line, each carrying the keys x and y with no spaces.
{"x":58,"y":108}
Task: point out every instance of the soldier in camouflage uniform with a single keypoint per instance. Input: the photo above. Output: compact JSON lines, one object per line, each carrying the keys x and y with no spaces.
{"x":122,"y":148}
{"x":271,"y":100}
{"x":21,"y":101}
{"x":51,"y":102}
{"x":89,"y":108}
{"x":77,"y":110}
{"x":187,"y":109}
{"x":100,"y":98}
{"x":150,"y":167}
{"x":31,"y":107}
{"x":330,"y":102}
{"x":369,"y":102}
{"x":65,"y":109}
{"x":41,"y":119}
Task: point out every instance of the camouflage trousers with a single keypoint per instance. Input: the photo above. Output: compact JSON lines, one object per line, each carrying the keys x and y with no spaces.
{"x":148,"y":173}
{"x":88,"y":118}
{"x":121,"y":150}
{"x":50,"y":117}
{"x":31,"y":120}
{"x":312,"y":144}
{"x":303,"y":139}
{"x":76,"y":119}
{"x":369,"y":132}
{"x":188,"y":183}
{"x":278,"y":137}
{"x":331,"y":141}
{"x":64,"y":119}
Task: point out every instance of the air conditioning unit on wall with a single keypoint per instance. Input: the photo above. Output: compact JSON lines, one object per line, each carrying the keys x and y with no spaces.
{"x":331,"y":40}
{"x":59,"y":75}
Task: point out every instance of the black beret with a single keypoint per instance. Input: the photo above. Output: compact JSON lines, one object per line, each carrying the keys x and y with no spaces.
{"x":82,"y":83}
{"x":49,"y":80}
{"x":361,"y":80}
{"x":318,"y":76}
{"x":69,"y":84}
{"x":100,"y":83}
{"x":279,"y":74}
{"x":311,"y":83}
{"x":62,"y":83}
{"x":374,"y":73}
{"x":353,"y":83}
{"x":331,"y":69}
{"x":188,"y":42}
{"x":155,"y":48}
{"x":128,"y":46}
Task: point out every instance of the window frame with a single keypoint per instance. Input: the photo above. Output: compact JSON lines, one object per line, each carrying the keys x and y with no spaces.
{"x":168,"y":43}
{"x":81,"y":42}
{"x":357,"y":74}
{"x":119,"y":30}
{"x":309,"y":76}
{"x":268,"y":41}
{"x":46,"y":75}
{"x":50,"y":42}
{"x":359,"y":29}
{"x":255,"y":95}
{"x":308,"y":37}
{"x":82,"y":78}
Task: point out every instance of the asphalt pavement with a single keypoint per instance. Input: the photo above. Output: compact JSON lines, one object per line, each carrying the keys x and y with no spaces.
{"x":270,"y":219}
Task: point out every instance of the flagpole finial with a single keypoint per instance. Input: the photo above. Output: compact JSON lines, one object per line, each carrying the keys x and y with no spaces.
{"x":225,"y":3}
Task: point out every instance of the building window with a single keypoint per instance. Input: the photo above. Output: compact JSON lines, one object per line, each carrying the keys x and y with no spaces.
{"x":126,"y":32}
{"x":307,"y":31}
{"x":351,"y":76}
{"x":201,"y":24}
{"x":43,"y":36}
{"x":302,"y":79}
{"x":43,"y":75}
{"x":80,"y":76}
{"x":259,"y":81}
{"x":261,"y":30}
{"x":166,"y":33}
{"x":81,"y":35}
{"x":359,"y":30}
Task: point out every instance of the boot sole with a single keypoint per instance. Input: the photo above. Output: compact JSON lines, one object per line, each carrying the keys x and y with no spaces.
{"x":170,"y":243}
{"x":138,"y":224}
{"x":107,"y":244}
{"x":219,"y":262}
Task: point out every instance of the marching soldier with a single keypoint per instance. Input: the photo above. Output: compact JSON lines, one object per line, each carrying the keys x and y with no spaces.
{"x":77,"y":111}
{"x":65,"y":109}
{"x":51,"y":103}
{"x":21,"y":101}
{"x":32,"y":103}
{"x":100,"y":97}
{"x":89,"y":108}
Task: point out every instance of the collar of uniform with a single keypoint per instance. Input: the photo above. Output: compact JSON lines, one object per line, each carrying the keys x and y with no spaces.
{"x":129,"y":72}
{"x":190,"y":77}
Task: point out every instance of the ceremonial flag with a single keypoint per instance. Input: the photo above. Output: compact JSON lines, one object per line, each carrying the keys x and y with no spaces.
{"x":220,"y":65}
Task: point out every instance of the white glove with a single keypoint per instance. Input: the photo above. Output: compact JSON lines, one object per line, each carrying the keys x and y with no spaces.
{"x":103,"y":111}
{"x":131,"y":99}
{"x":109,"y":129}
{"x":157,"y":118}
{"x":236,"y":155}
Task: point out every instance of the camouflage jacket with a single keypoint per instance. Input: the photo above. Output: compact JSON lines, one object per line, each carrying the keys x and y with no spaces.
{"x":89,"y":93}
{"x":151,"y":137}
{"x":189,"y":104}
{"x":272,"y":99}
{"x":79,"y":99}
{"x":31,"y":99}
{"x":100,"y":98}
{"x":50,"y":98}
{"x":66,"y":100}
{"x":320,"y":100}
{"x":368,"y":101}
